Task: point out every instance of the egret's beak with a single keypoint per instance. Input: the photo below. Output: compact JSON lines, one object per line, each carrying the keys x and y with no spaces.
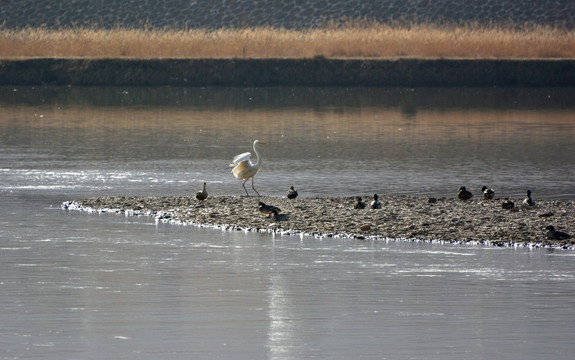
{"x":263,"y":143}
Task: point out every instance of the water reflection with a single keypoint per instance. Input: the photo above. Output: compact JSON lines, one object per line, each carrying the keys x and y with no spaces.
{"x":328,"y":142}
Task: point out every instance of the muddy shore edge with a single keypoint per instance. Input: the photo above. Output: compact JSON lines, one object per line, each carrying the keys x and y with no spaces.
{"x":404,"y":217}
{"x":317,"y":71}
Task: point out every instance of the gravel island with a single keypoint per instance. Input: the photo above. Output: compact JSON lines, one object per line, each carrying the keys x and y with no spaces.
{"x":446,"y":220}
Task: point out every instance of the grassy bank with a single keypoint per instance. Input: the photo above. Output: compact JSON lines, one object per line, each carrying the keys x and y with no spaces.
{"x":341,"y":40}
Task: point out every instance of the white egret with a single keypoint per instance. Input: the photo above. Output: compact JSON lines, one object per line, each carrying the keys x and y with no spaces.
{"x":244,"y":169}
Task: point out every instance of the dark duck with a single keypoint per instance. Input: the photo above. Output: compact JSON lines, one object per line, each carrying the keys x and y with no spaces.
{"x":488,"y":193}
{"x":268,"y":209}
{"x":292,"y":193}
{"x":464,"y":194}
{"x":375,"y":203}
{"x":202,"y":194}
{"x":359,"y":204}
{"x":553,"y":234}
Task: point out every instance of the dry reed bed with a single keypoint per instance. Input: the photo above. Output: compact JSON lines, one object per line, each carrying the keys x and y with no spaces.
{"x":350,"y":40}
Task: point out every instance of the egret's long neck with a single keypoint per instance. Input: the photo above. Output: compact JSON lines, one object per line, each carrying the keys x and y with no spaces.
{"x":258,"y":160}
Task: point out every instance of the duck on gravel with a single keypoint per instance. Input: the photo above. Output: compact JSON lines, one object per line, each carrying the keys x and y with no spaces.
{"x":359,"y":204}
{"x":553,"y":234}
{"x":464,"y":194}
{"x":528,"y":202}
{"x":292,"y":193}
{"x":202,"y":194}
{"x":375,"y":203}
{"x":268,"y":209}
{"x":488,"y":193}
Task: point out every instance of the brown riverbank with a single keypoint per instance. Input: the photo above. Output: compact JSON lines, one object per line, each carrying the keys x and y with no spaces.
{"x":401,"y":217}
{"x":287,"y":72}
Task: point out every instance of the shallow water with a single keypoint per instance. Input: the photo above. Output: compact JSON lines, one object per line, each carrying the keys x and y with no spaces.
{"x":76,"y":285}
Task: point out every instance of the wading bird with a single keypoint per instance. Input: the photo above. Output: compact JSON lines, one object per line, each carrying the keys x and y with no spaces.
{"x":244,"y":169}
{"x":202,"y":194}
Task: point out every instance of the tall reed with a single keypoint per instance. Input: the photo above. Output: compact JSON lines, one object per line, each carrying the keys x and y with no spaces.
{"x":335,"y":40}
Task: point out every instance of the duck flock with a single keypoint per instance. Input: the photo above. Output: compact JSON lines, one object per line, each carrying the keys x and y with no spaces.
{"x":275,"y":214}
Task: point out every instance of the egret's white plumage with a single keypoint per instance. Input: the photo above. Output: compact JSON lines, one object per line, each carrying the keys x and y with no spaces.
{"x":244,"y":169}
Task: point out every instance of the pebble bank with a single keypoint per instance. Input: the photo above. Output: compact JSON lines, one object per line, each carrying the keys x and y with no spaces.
{"x":444,"y":220}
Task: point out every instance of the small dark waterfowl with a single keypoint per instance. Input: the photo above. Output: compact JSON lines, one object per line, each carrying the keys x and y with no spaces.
{"x":292,"y":193}
{"x":276,"y":216}
{"x":553,"y":234}
{"x":375,"y":203}
{"x":507,"y":204}
{"x":202,"y":194}
{"x":528,"y":202}
{"x":488,"y":193}
{"x":464,"y":194}
{"x":268,"y":209}
{"x":359,"y":204}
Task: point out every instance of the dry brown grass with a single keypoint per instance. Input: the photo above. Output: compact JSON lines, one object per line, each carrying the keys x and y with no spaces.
{"x":347,"y":40}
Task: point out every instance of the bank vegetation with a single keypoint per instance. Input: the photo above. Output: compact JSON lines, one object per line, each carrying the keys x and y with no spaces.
{"x":335,"y":40}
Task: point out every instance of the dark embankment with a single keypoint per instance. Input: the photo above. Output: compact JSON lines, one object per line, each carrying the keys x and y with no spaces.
{"x":287,"y":72}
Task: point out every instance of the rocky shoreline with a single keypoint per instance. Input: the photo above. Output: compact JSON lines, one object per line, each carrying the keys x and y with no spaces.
{"x":476,"y":221}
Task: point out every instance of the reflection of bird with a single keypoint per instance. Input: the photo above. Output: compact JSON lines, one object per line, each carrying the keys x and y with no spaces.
{"x":276,"y":216}
{"x":244,"y":169}
{"x":528,"y":202}
{"x":553,"y":234}
{"x":292,"y":193}
{"x":464,"y":194}
{"x":202,"y":195}
{"x":507,"y":204}
{"x":268,"y":209}
{"x":488,"y":193}
{"x":375,"y":204}
{"x":359,"y":204}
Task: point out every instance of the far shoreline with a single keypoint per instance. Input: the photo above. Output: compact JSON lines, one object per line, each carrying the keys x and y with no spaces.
{"x":313,"y":72}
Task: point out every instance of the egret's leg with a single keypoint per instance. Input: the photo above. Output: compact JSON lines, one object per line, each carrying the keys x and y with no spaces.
{"x":254,"y":187}
{"x":244,"y":185}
